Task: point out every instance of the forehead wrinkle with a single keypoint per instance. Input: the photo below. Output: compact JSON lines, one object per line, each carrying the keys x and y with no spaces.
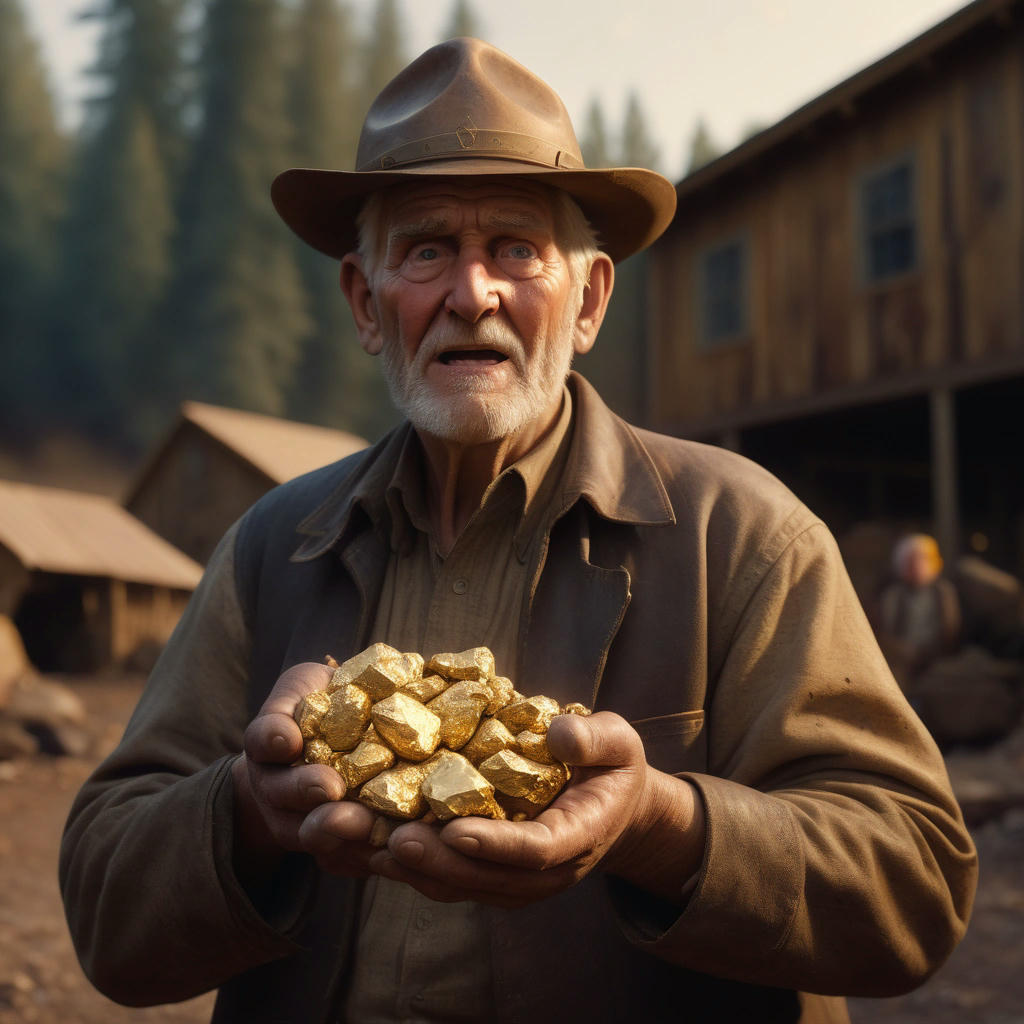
{"x":430,"y":224}
{"x":515,"y":220}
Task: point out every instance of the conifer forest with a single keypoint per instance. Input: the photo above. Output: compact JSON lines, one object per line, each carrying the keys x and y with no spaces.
{"x":141,"y":260}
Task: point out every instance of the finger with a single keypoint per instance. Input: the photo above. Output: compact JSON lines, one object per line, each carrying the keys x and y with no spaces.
{"x":336,"y":835}
{"x":297,"y":789}
{"x":293,"y":685}
{"x":501,"y":888}
{"x":328,"y":826}
{"x":601,"y":739}
{"x":417,"y":851}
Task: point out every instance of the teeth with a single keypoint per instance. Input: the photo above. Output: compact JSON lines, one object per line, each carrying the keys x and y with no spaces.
{"x":472,"y":355}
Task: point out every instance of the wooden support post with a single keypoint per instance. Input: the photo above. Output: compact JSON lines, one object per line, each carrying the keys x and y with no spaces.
{"x":945,"y":496}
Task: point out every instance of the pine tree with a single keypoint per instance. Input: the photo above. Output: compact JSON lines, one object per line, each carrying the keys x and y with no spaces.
{"x":335,"y":382}
{"x":117,"y":245}
{"x":703,"y":148}
{"x":638,"y":149}
{"x":237,"y":312}
{"x":32,"y":154}
{"x":385,"y":51}
{"x":594,"y":140}
{"x":463,"y":22}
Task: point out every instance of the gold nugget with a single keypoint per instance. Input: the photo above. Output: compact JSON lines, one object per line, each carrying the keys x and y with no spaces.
{"x":410,"y":729}
{"x":389,"y":723}
{"x":456,"y":789}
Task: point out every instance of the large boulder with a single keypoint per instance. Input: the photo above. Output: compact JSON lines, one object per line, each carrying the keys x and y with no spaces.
{"x":969,"y":697}
{"x":36,"y":714}
{"x":14,"y":661}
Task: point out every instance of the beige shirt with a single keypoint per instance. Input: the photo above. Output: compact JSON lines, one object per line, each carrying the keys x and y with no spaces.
{"x":418,"y":960}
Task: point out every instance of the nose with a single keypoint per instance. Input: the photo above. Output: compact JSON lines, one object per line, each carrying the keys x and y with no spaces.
{"x":473,"y":293}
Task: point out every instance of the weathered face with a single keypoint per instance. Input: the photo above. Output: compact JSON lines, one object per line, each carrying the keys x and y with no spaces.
{"x":475,"y":307}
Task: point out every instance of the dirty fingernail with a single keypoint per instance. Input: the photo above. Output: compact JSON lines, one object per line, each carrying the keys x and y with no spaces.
{"x":411,"y":851}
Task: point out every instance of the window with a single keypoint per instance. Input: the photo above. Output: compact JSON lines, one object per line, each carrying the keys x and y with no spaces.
{"x":887,"y":215}
{"x":723,"y":289}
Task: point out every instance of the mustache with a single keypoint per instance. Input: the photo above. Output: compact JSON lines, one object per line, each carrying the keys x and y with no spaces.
{"x":450,"y":334}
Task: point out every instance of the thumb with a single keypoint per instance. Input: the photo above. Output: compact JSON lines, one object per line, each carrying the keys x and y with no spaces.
{"x":600,"y":740}
{"x":273,"y":736}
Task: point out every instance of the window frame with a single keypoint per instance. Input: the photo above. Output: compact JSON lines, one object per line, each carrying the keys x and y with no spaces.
{"x":867,"y":232}
{"x":741,"y":334}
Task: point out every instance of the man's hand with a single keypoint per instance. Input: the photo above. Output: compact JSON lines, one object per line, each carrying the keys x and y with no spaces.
{"x":275,"y":792}
{"x":615,"y":811}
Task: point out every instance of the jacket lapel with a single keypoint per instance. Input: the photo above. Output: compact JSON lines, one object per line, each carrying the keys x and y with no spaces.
{"x":582,"y":584}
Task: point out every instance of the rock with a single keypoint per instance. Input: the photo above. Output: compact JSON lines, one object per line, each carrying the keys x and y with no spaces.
{"x":37,"y":701}
{"x":14,"y":740}
{"x":14,"y":661}
{"x":970,"y":697}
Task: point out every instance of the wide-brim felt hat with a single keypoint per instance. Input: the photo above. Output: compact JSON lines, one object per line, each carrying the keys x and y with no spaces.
{"x":465,"y":108}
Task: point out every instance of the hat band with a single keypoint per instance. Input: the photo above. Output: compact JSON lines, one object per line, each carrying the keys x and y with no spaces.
{"x":467,"y":141}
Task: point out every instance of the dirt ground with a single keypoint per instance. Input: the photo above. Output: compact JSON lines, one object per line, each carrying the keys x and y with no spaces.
{"x":40,"y":979}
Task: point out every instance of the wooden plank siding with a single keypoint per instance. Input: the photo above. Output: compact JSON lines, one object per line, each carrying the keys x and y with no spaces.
{"x":818,"y":331}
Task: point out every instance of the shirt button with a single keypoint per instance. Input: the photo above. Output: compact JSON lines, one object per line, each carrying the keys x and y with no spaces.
{"x":423,"y":919}
{"x":460,"y":586}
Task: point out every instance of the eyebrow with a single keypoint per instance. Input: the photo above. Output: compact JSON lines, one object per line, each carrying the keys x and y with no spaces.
{"x":426,"y":227}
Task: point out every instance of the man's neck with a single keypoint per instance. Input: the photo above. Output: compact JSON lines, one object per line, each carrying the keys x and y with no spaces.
{"x":459,"y":474}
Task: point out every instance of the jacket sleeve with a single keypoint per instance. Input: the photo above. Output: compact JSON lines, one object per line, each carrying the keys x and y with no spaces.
{"x":155,"y":911}
{"x":836,"y":858}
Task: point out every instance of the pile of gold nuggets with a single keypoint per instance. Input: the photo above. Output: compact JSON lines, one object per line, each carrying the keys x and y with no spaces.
{"x":440,"y":739}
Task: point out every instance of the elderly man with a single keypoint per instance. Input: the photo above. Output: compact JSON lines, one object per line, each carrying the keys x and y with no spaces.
{"x":754,"y":814}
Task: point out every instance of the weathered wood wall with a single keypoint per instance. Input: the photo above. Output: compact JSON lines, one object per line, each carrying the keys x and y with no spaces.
{"x":816,"y":327}
{"x":196,"y":491}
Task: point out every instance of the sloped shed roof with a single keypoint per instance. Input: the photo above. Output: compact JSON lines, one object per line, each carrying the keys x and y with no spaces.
{"x":282,"y":449}
{"x":61,"y":531}
{"x":925,"y":51}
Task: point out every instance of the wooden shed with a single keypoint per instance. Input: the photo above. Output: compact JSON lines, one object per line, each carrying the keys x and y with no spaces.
{"x":842,"y":296}
{"x":216,"y":462}
{"x":85,"y":582}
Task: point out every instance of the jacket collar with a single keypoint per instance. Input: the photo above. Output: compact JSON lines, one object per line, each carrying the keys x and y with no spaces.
{"x":609,"y":467}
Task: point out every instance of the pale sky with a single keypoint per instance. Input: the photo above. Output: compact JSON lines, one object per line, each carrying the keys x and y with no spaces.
{"x":732,"y":62}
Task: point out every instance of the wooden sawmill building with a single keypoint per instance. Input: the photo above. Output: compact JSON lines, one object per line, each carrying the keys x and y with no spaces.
{"x":842,"y":296}
{"x":87,"y":585}
{"x":216,"y":462}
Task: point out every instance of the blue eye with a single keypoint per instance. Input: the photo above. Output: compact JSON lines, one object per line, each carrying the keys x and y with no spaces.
{"x":427,"y":253}
{"x":520,"y":252}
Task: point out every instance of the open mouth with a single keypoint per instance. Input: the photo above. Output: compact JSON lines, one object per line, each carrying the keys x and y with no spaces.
{"x":466,"y":356}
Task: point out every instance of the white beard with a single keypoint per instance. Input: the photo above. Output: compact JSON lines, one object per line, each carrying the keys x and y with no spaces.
{"x":472,"y":411}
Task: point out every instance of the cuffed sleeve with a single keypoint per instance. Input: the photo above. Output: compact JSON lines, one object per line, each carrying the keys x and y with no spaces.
{"x":836,"y":858}
{"x":154,"y":908}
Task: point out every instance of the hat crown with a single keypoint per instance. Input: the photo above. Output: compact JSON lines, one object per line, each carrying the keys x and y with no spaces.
{"x":466,"y":98}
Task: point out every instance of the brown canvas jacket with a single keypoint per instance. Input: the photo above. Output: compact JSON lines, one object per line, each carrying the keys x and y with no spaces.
{"x":682,"y":587}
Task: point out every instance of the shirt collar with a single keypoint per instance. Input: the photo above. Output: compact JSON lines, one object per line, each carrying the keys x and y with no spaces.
{"x":527,"y":485}
{"x":606,"y":463}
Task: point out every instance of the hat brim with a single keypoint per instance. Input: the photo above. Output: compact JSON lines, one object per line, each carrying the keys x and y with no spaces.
{"x":628,"y":207}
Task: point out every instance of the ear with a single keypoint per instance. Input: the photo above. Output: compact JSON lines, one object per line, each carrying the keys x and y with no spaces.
{"x":360,"y":300}
{"x":595,"y":301}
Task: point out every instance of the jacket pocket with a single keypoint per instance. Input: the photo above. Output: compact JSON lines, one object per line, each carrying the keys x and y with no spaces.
{"x":675,"y":743}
